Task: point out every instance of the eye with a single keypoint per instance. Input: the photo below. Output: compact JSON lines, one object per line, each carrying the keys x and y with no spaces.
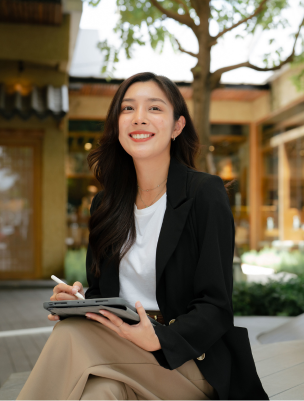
{"x":127,"y":108}
{"x":155,"y":108}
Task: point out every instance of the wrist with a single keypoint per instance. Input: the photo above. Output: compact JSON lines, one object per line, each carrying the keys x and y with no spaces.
{"x":156,"y":344}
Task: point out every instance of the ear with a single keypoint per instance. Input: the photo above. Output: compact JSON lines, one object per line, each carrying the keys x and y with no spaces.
{"x":179,"y":126}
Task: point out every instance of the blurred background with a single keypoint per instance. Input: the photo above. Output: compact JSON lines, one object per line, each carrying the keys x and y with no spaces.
{"x":61,"y":63}
{"x":240,"y":67}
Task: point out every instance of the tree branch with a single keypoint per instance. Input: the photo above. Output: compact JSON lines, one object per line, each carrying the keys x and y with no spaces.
{"x":183,"y":19}
{"x":180,"y":48}
{"x":257,"y":11}
{"x":184,"y":5}
{"x":216,"y":75}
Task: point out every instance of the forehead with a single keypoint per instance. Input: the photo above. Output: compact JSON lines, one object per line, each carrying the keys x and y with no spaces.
{"x":146,"y":91}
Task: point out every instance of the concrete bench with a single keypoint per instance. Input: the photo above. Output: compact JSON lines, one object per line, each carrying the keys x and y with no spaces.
{"x":12,"y":387}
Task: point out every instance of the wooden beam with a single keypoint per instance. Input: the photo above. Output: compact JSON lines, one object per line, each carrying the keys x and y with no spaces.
{"x":254,"y":185}
{"x":288,"y":136}
{"x":284,"y":188}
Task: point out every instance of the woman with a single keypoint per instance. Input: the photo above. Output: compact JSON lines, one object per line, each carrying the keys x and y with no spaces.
{"x":161,"y":234}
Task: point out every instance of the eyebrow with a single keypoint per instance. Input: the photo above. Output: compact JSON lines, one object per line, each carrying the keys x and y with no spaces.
{"x":151,"y":99}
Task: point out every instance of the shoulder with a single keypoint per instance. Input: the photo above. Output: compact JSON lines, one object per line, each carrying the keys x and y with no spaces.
{"x":210,"y":199}
{"x":206,"y":187}
{"x":96,"y":201}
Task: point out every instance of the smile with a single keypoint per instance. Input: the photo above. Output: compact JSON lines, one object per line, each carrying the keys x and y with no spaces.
{"x":141,"y":135}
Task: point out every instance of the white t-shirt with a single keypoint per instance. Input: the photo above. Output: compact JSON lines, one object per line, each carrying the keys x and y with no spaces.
{"x":137,"y":271}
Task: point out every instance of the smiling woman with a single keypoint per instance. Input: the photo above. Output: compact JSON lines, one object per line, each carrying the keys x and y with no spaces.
{"x":161,"y":237}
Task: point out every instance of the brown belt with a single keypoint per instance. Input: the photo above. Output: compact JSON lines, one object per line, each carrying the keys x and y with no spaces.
{"x":156,"y":315}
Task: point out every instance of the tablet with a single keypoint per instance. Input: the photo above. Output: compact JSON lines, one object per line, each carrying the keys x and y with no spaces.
{"x":119,"y":306}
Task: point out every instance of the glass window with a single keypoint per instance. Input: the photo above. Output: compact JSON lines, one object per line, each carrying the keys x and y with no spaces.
{"x":16,"y":211}
{"x":82,"y":186}
{"x":231,"y":161}
{"x":294,"y":204}
{"x":269,"y":207}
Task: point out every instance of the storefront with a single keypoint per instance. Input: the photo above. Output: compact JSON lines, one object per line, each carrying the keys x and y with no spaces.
{"x":81,"y":184}
{"x":282,"y":178}
{"x":256,"y":139}
{"x":37,"y":39}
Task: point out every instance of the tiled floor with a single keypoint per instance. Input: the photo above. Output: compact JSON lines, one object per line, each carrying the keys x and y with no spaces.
{"x":281,"y":369}
{"x":19,"y":354}
{"x":23,"y":309}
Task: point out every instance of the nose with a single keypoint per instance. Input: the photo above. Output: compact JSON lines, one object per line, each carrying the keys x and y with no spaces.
{"x":139,"y":118}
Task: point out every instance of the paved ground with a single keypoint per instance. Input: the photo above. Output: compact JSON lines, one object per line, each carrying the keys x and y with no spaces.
{"x":257,"y":325}
{"x":280,"y":365}
{"x":281,"y":369}
{"x":21,"y":309}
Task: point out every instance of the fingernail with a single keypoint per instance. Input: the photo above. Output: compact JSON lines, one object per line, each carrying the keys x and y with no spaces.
{"x":102,"y":312}
{"x":138,"y":304}
{"x":75,"y":289}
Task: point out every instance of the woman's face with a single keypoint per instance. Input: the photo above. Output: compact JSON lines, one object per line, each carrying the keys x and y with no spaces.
{"x":146,"y":123}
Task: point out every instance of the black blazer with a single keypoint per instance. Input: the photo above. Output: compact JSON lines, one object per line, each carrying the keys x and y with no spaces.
{"x":194,"y":285}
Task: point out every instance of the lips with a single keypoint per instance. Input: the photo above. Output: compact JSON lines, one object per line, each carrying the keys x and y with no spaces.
{"x":141,"y":136}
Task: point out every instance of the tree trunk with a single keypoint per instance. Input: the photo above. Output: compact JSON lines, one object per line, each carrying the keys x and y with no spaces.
{"x":201,"y":108}
{"x":202,"y":89}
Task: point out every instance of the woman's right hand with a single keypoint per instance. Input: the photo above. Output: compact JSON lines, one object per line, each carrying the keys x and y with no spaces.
{"x":63,"y":292}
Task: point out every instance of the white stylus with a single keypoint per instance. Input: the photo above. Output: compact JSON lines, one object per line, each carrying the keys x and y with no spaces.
{"x":62,"y":282}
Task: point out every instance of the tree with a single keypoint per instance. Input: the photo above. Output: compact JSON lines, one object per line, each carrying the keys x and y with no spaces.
{"x":142,"y":22}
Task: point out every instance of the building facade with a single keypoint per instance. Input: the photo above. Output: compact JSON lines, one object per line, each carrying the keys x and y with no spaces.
{"x":50,"y":121}
{"x":37,"y":39}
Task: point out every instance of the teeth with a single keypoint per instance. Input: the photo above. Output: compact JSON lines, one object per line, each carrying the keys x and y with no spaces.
{"x":141,"y":136}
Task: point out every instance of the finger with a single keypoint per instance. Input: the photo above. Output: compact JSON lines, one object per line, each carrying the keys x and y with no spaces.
{"x":63,"y":288}
{"x":77,"y":286}
{"x":63,"y":296}
{"x":53,"y":318}
{"x":142,"y":313}
{"x":104,"y":321}
{"x":112,"y":317}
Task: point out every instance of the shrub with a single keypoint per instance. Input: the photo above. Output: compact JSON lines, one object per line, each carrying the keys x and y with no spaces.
{"x":276,"y":298}
{"x":75,"y":266}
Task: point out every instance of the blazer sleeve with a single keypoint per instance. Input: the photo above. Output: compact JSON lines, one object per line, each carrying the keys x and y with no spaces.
{"x":209,"y":315}
{"x":93,"y":291}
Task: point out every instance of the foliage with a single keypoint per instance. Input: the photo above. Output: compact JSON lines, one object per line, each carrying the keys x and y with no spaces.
{"x":279,"y":260}
{"x":75,"y":266}
{"x":142,"y":22}
{"x":271,"y":299}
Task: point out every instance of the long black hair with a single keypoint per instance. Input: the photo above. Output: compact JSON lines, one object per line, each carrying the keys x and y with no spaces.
{"x":112,"y":225}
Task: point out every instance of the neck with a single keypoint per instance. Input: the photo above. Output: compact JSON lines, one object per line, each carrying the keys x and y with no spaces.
{"x":151,"y":172}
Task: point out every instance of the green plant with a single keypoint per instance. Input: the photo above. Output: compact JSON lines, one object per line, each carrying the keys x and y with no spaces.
{"x":276,"y":298}
{"x":75,"y":266}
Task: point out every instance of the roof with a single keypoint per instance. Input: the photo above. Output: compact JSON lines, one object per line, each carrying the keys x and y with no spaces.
{"x":31,"y":11}
{"x":41,"y":102}
{"x":80,"y":86}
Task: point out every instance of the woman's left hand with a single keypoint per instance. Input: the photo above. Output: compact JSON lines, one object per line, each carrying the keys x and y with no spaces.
{"x":141,"y":334}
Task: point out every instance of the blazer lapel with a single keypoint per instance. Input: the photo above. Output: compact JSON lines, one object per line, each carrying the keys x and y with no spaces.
{"x":175,"y":217}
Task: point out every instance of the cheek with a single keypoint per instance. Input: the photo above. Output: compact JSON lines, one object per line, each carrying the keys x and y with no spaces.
{"x":122,"y":125}
{"x":164,"y":125}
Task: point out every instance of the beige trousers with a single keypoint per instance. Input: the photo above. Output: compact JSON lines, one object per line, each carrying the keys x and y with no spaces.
{"x":84,"y":360}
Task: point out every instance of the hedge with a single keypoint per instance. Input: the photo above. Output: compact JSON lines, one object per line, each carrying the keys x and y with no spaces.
{"x":276,"y":298}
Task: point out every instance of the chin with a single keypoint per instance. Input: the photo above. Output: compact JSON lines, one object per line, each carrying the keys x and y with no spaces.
{"x":145,"y":152}
{"x":143,"y":155}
